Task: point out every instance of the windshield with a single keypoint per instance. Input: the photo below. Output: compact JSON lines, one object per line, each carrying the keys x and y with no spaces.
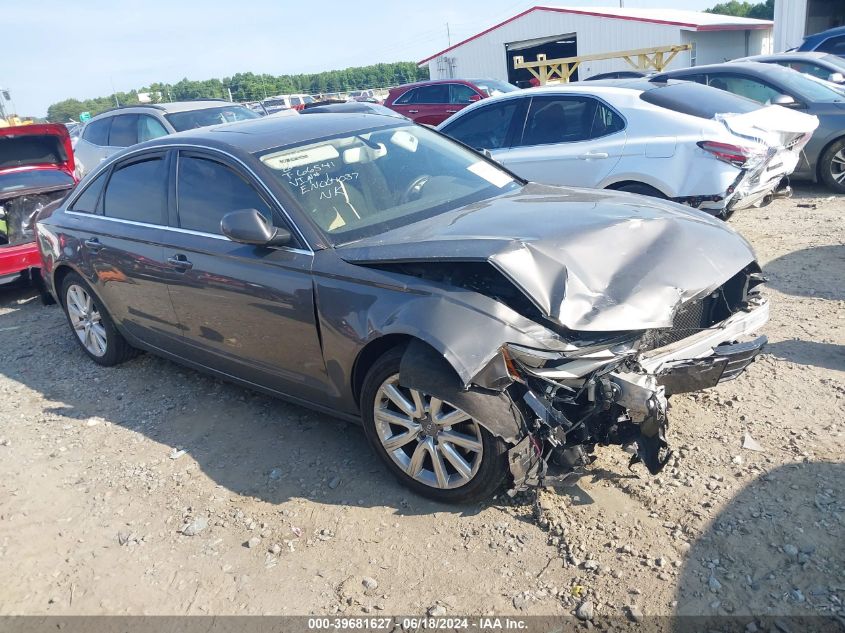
{"x":356,"y":186}
{"x":191,"y":119}
{"x":493,"y":87}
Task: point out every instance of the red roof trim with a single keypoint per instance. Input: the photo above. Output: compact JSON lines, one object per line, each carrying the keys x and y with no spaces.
{"x":694,"y":27}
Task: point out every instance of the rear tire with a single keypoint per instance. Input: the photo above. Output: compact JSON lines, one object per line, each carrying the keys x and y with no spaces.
{"x":832,"y":166}
{"x":640,"y":188}
{"x":464,"y":472}
{"x":92,"y":327}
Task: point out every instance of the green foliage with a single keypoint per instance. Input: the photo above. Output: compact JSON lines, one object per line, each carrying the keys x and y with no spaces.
{"x":760,"y":11}
{"x":249,"y":87}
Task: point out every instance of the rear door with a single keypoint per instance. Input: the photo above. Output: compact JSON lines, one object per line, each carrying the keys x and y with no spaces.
{"x":431,"y":104}
{"x":125,"y":212}
{"x":245,"y":310}
{"x":405,"y":104}
{"x":567,"y":140}
{"x":93,"y":146}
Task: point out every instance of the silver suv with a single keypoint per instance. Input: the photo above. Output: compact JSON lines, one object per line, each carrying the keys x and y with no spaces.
{"x":114,"y":129}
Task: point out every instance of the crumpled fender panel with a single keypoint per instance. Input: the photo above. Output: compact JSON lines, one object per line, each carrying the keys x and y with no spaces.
{"x":425,"y":369}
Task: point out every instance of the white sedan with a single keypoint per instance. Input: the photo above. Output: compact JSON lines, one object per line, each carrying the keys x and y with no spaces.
{"x":678,"y":140}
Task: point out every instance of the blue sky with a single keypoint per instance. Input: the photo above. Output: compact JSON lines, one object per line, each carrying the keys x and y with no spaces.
{"x":82,"y":49}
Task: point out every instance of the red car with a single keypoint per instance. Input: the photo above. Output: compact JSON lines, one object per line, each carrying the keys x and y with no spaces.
{"x":36,"y":170}
{"x":432,"y":102}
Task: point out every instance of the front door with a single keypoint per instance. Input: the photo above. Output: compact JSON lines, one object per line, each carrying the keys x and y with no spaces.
{"x":245,"y":310}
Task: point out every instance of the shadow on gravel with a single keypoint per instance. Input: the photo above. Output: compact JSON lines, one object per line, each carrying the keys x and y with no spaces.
{"x":818,"y":271}
{"x":250,"y":444}
{"x":826,"y":355}
{"x":776,"y":550}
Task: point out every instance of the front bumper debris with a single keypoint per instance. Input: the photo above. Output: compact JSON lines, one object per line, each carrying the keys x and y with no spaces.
{"x":576,"y":405}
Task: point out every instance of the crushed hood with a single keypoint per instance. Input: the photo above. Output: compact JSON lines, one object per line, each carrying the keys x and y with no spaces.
{"x":589,"y":260}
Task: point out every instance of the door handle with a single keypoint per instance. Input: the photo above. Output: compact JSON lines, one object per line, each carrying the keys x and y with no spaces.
{"x":590,"y":155}
{"x":451,"y":111}
{"x":413,"y":111}
{"x":93,"y":244}
{"x":180,"y":262}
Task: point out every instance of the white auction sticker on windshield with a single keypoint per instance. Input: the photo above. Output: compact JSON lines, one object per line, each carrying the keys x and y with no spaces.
{"x":490,"y":174}
{"x":298,"y":157}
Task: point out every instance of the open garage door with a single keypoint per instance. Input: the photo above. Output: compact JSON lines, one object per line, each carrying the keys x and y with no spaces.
{"x":554,"y":47}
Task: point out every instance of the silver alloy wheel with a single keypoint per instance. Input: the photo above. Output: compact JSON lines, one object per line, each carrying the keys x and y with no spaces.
{"x":85,"y":319}
{"x":837,"y":167}
{"x":430,"y":440}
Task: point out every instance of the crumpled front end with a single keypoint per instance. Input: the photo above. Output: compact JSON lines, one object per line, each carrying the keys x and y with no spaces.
{"x":614,"y":391}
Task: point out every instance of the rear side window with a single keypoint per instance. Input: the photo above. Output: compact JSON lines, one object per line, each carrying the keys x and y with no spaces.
{"x":208,"y":190}
{"x":485,"y":128}
{"x":88,"y":201}
{"x":124,"y":130}
{"x":437,"y":93}
{"x":408,"y":97}
{"x":97,"y":132}
{"x":568,"y":120}
{"x":137,"y":191}
{"x":697,"y":100}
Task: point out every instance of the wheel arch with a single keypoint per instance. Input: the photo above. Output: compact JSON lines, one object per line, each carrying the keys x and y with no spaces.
{"x":369,"y":354}
{"x":825,"y":147}
{"x":616,"y":186}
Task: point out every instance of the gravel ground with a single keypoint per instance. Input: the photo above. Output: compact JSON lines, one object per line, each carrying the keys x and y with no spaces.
{"x":152,"y":489}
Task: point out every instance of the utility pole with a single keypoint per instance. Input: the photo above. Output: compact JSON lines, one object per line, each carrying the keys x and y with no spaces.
{"x":449,"y":34}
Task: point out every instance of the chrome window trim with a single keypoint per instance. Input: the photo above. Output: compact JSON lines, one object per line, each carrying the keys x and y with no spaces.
{"x":176,"y":229}
{"x":108,"y":163}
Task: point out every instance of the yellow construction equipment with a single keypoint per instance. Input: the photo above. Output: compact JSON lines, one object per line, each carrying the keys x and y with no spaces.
{"x":561,"y":69}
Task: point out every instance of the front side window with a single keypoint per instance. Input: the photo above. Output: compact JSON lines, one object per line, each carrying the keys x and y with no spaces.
{"x":744,"y":87}
{"x":362,"y":184}
{"x":192,"y":119}
{"x":807,"y":69}
{"x":462,"y":94}
{"x":208,"y":190}
{"x":486,"y":127}
{"x":437,"y":93}
{"x":124,"y":130}
{"x":97,"y":132}
{"x":149,"y":128}
{"x":137,"y":191}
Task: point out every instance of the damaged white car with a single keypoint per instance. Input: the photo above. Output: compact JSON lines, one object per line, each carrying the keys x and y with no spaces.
{"x":690,"y":143}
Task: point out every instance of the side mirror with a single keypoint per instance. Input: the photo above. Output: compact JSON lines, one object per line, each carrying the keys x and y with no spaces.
{"x":837,"y":78}
{"x":248,"y":226}
{"x":785,"y":101}
{"x":474,"y":98}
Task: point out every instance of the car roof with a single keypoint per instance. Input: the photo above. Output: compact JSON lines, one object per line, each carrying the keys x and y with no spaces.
{"x":255,"y":135}
{"x":797,"y":55}
{"x":432,"y":82}
{"x":173,"y":106}
{"x":754,"y":68}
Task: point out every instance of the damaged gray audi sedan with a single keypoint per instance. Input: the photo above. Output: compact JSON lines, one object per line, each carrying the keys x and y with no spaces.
{"x":483,"y":329}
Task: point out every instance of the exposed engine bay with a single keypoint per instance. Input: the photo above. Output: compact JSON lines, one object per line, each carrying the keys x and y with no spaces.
{"x":611,"y":389}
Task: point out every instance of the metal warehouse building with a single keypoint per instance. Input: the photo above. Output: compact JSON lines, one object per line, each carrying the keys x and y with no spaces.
{"x":568,"y":31}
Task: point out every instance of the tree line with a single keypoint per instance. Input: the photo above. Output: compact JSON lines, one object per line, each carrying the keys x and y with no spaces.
{"x":760,"y":11}
{"x":248,"y":87}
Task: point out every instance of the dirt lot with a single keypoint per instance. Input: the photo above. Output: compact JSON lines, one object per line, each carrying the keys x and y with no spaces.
{"x":95,"y":489}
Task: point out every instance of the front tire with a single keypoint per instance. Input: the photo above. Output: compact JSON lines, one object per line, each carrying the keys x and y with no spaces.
{"x":832,"y":166}
{"x":91,"y":325}
{"x":430,"y":446}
